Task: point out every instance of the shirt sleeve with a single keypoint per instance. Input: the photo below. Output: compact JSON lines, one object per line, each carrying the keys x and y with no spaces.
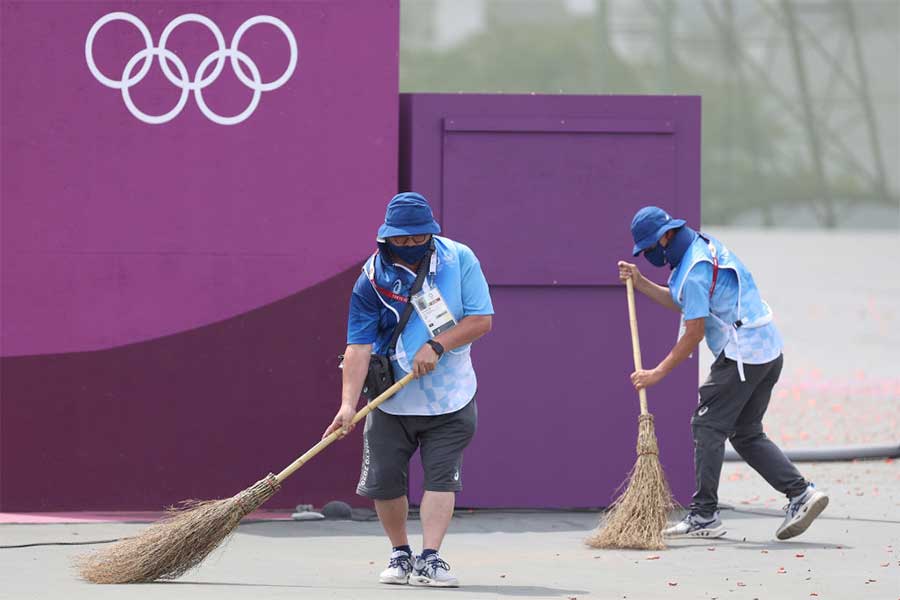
{"x":696,"y":291}
{"x":476,"y":296}
{"x":365,"y":312}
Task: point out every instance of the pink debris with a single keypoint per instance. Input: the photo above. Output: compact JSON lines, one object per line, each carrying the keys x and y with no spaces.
{"x":653,"y":557}
{"x":781,"y":570}
{"x":673,"y":583}
{"x":741,"y":584}
{"x":799,"y":555}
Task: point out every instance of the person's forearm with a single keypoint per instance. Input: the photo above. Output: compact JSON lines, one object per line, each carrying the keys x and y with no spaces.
{"x":356,"y":365}
{"x":657,"y":293}
{"x":682,"y":350}
{"x":465,"y":332}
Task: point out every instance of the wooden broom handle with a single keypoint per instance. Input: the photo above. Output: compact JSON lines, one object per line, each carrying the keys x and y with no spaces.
{"x":331,"y":437}
{"x":635,"y":342}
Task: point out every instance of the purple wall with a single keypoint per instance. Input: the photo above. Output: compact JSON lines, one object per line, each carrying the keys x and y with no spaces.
{"x":174,"y":295}
{"x":543,"y":188}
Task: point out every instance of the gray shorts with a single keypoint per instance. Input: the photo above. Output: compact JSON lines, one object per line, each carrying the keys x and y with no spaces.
{"x":389,"y":441}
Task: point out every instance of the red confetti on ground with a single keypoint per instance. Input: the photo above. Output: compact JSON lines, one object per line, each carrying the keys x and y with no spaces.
{"x":653,"y":557}
{"x":799,"y":555}
{"x":813,"y":594}
{"x":673,"y":583}
{"x":781,"y":570}
{"x":741,"y":584}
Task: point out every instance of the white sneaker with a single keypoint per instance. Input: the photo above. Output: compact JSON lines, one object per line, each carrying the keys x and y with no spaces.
{"x":694,"y":526}
{"x":433,"y":572}
{"x":399,"y":568}
{"x":801,"y":511}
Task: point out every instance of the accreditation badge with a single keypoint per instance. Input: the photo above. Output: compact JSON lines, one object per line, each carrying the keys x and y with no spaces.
{"x":433,"y":310}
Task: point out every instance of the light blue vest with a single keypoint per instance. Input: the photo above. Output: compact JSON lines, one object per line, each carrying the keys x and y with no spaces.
{"x":720,"y":328}
{"x":452,"y":384}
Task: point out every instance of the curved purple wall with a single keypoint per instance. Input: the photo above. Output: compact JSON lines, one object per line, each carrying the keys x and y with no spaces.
{"x":174,"y":295}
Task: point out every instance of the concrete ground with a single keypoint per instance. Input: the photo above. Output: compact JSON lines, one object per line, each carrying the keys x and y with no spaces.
{"x":851,"y":552}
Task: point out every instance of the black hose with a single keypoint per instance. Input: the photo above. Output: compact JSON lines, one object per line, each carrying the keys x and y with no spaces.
{"x":830,"y":453}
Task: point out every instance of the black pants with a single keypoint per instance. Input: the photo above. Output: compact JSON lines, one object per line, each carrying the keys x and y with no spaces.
{"x":734,"y":409}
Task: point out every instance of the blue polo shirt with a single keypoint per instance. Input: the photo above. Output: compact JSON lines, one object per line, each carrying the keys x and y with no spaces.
{"x":374,"y":314}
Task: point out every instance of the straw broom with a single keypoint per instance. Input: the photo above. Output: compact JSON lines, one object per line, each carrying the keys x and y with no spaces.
{"x":637,"y":518}
{"x":180,"y":541}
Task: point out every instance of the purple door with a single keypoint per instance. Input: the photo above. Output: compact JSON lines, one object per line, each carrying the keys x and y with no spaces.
{"x":543,"y":188}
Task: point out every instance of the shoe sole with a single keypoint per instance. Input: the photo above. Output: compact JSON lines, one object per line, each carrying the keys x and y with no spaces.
{"x":428,"y":582}
{"x":715,"y":532}
{"x":393,"y":580}
{"x":816,"y":506}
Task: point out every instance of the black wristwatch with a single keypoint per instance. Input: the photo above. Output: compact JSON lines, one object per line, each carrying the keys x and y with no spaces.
{"x":437,"y":347}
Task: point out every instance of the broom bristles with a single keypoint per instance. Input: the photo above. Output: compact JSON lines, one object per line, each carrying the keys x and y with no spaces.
{"x":637,"y":518}
{"x":177,"y":543}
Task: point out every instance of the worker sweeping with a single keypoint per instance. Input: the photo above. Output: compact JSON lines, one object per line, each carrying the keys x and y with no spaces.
{"x":418,"y":305}
{"x":718,"y":299}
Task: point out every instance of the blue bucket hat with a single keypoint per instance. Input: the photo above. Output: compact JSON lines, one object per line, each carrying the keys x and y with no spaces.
{"x":649,"y":224}
{"x":408,"y":214}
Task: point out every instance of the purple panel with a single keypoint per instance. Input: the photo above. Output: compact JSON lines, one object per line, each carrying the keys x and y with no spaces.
{"x":564,"y":189}
{"x":543,"y":189}
{"x":116,"y":231}
{"x":174,"y":295}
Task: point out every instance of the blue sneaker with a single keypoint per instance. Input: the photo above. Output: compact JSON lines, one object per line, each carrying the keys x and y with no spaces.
{"x":695,"y":526}
{"x":801,"y":511}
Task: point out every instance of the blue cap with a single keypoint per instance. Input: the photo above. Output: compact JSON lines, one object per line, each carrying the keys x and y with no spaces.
{"x":408,"y":213}
{"x":649,"y":224}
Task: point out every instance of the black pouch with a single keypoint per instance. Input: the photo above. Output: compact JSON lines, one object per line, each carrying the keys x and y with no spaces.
{"x":379,"y":377}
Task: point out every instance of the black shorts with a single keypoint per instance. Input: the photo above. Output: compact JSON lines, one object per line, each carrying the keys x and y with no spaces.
{"x":389,"y":441}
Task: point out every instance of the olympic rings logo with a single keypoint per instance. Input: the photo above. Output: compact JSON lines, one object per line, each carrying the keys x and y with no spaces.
{"x":182,"y":80}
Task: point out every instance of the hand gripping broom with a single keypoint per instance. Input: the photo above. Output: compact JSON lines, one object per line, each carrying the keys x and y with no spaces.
{"x":637,"y":517}
{"x":180,"y":541}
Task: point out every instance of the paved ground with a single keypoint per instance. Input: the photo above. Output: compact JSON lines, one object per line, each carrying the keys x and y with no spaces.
{"x":852,"y":552}
{"x":837,"y":305}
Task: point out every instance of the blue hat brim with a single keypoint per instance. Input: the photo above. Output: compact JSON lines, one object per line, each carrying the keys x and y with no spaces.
{"x":648,"y":241}
{"x":386,"y":231}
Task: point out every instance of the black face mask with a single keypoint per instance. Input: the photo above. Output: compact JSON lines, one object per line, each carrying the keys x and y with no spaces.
{"x":656,"y":256}
{"x":409,"y":254}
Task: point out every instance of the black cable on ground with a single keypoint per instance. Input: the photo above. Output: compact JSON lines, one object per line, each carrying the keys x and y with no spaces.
{"x":62,"y":544}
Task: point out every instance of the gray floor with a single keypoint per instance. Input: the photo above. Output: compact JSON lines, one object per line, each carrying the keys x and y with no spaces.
{"x":853,"y":551}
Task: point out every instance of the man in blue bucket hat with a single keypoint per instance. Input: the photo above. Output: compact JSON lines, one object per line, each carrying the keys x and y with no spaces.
{"x":436,"y":287}
{"x":718,"y":299}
